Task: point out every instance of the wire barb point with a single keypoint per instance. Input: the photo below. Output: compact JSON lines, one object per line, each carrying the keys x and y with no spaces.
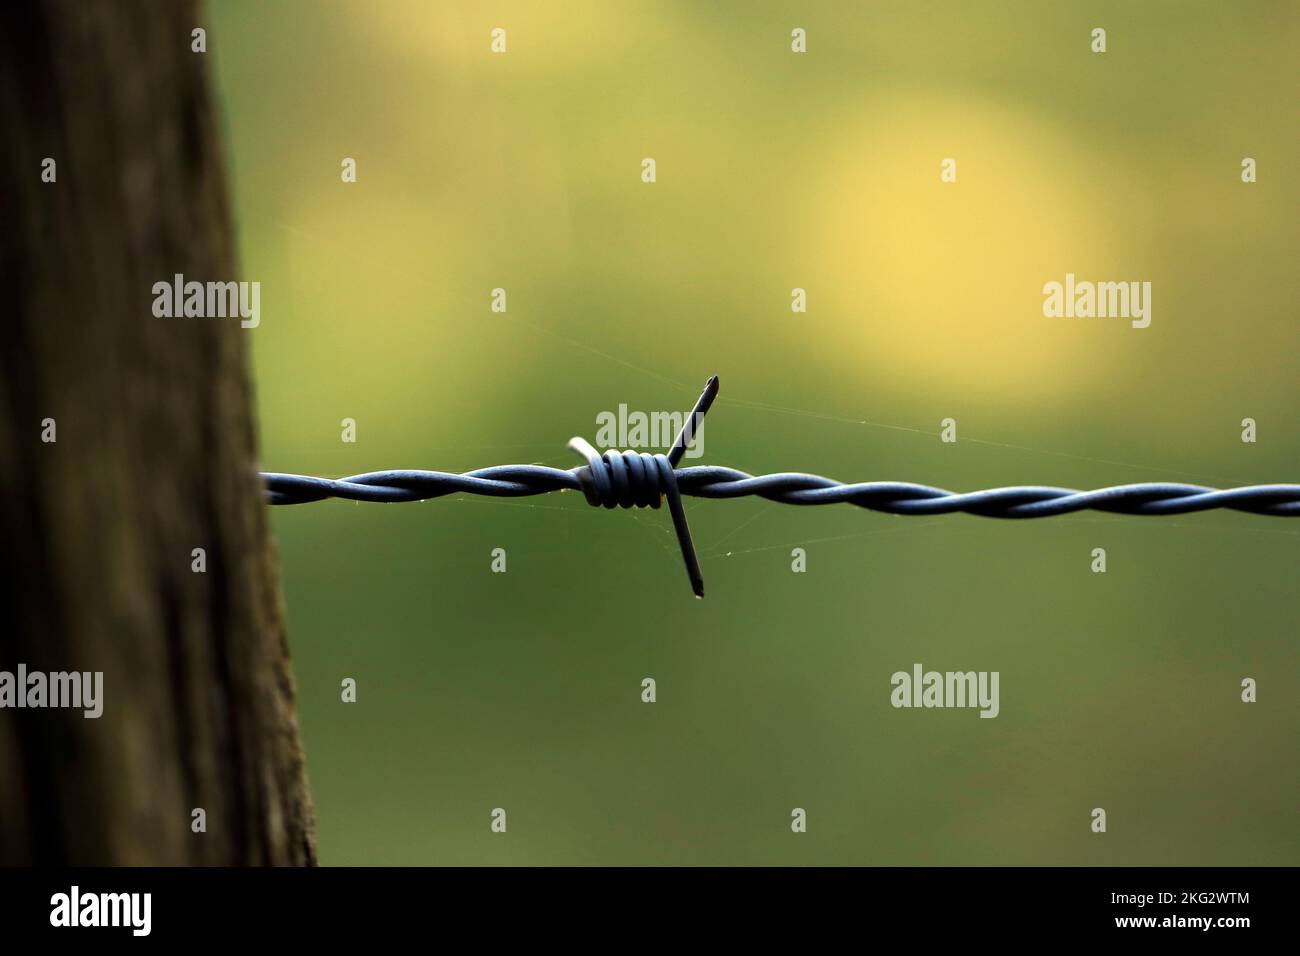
{"x":630,"y":479}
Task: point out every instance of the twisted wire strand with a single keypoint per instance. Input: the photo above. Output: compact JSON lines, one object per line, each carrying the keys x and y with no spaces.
{"x":791,"y":488}
{"x":629,"y":479}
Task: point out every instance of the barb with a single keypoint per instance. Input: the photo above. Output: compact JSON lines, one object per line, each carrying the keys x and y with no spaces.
{"x":628,"y":479}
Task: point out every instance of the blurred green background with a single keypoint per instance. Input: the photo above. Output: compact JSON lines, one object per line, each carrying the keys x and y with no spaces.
{"x":775,"y":171}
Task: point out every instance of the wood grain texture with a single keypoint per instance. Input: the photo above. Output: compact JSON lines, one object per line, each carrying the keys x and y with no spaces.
{"x":155,"y":456}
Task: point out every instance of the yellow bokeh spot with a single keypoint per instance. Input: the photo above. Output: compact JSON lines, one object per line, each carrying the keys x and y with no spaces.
{"x":932,"y":280}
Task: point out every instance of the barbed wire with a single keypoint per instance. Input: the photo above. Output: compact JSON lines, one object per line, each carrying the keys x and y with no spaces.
{"x":628,"y":479}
